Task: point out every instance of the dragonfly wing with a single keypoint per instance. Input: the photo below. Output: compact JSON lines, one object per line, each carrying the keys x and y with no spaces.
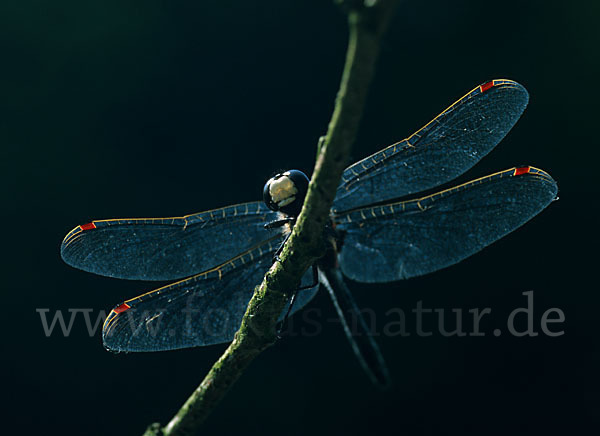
{"x":407,"y":239}
{"x":202,"y":310}
{"x":444,"y":149}
{"x":167,"y":248}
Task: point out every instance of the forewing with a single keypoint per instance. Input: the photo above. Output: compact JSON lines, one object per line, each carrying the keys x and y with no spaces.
{"x":167,"y":248}
{"x":407,"y":239}
{"x":202,"y":310}
{"x":444,"y":149}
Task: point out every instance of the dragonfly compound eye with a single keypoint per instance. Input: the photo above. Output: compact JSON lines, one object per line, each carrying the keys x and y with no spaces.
{"x":285,"y":192}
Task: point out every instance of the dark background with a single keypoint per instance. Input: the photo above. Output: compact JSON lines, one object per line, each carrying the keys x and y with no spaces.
{"x":161,"y":108}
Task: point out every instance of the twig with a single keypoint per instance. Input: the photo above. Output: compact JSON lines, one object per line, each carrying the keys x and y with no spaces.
{"x":367,"y":21}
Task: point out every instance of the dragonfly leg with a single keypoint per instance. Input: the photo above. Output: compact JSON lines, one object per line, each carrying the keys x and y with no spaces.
{"x":281,"y":323}
{"x":279,"y":222}
{"x":315,"y":273}
{"x":278,"y":252}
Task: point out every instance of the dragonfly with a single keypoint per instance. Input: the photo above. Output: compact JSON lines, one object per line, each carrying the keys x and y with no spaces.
{"x":384,"y":227}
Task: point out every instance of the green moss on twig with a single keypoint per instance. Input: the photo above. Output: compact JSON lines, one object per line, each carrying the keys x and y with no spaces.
{"x":367,"y":20}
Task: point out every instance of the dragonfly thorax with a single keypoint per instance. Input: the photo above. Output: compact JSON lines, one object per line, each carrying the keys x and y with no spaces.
{"x":285,"y":192}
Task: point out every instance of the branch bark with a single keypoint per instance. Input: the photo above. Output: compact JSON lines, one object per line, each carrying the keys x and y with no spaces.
{"x":367,"y":20}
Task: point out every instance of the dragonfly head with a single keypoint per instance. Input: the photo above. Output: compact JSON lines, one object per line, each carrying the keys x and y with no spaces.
{"x":285,"y":192}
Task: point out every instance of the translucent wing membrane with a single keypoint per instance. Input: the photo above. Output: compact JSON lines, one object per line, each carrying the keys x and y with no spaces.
{"x":167,"y":248}
{"x":202,"y":310}
{"x":407,"y":239}
{"x":444,"y":149}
